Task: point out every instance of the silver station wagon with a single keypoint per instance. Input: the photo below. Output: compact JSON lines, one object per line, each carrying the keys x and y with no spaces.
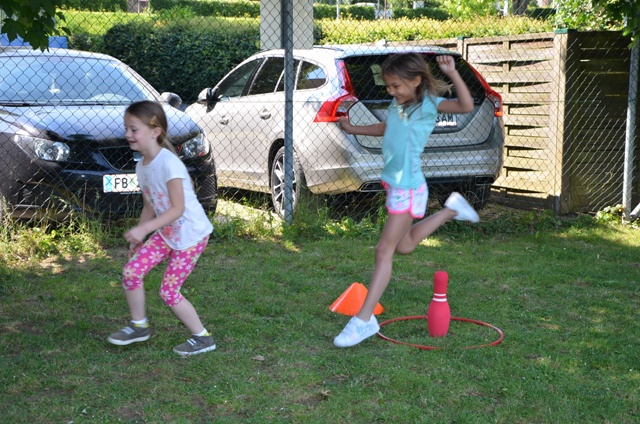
{"x":243,"y":117}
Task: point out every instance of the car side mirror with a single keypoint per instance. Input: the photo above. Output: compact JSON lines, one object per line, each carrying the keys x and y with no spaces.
{"x":211,"y":98}
{"x":172,"y":99}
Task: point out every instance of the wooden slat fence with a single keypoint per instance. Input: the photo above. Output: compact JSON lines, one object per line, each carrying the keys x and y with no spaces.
{"x":565,"y":101}
{"x":565,"y":97}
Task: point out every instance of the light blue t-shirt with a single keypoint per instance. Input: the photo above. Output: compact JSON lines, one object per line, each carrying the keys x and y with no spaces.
{"x":404,"y":139}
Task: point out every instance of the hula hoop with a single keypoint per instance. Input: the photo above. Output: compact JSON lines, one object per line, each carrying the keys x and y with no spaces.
{"x":425,"y":347}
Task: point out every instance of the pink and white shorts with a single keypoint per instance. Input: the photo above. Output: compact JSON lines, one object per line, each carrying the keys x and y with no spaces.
{"x":403,"y":200}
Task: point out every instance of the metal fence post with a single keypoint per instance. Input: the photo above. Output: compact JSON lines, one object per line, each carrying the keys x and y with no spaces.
{"x":287,"y":37}
{"x":630,"y":136}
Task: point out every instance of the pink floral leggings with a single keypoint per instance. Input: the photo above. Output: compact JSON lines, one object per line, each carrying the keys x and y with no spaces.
{"x":150,"y":254}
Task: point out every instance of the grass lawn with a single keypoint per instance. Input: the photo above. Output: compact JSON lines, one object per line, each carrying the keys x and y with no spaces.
{"x":564,"y":292}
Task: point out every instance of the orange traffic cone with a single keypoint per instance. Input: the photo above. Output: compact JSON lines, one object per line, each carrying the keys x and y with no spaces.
{"x":350,"y":302}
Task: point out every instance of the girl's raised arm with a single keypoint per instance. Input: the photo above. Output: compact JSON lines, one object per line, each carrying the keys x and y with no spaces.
{"x":464,"y":102}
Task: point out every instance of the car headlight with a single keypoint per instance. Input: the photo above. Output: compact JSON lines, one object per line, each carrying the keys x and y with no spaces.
{"x":196,"y":147}
{"x":49,"y":150}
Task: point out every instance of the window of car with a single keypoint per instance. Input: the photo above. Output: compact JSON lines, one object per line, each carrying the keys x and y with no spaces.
{"x":296,"y":64}
{"x":310,"y":76}
{"x":268,"y":76}
{"x":234,"y":84}
{"x":468,"y":76}
{"x":68,"y":80}
{"x":366,"y":79}
{"x":365,"y":73}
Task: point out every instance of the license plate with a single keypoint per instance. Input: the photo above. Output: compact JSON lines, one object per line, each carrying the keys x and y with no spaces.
{"x":447,"y":120}
{"x":120,"y":183}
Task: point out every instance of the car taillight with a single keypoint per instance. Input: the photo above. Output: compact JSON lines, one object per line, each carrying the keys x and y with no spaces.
{"x":492,"y":94}
{"x":332,"y":109}
{"x":496,"y":98}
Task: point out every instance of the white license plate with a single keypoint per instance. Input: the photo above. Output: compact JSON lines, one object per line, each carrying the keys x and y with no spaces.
{"x":120,"y":183}
{"x":447,"y":120}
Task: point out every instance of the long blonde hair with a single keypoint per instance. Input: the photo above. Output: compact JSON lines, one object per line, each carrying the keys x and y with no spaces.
{"x":152,"y":115}
{"x":411,"y":65}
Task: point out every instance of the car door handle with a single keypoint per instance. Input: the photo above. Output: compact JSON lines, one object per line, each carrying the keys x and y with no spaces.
{"x":224,"y":120}
{"x":265,"y":114}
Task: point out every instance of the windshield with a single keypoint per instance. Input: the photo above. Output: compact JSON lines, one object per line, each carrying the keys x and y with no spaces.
{"x":69,"y":80}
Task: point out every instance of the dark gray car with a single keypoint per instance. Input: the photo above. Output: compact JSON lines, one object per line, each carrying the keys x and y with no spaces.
{"x":62,"y":140}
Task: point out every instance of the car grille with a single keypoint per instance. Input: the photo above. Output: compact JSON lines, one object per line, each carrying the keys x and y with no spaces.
{"x":120,"y":158}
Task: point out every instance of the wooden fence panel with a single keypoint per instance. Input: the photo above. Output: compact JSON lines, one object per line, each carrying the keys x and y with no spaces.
{"x":565,"y":101}
{"x":565,"y":105}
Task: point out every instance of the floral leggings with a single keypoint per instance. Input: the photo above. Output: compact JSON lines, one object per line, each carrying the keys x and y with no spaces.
{"x":150,"y":254}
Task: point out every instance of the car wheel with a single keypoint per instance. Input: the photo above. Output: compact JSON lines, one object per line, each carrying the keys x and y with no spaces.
{"x":207,"y":193}
{"x":277,"y":182}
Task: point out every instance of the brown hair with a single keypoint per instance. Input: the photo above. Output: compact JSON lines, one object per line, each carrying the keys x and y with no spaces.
{"x":152,"y":115}
{"x":411,"y":65}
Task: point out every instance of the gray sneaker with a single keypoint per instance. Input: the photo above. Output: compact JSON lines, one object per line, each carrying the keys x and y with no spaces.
{"x":195,"y":345}
{"x":130,"y":334}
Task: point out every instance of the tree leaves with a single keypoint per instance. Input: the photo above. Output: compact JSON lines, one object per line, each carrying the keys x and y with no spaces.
{"x":33,"y":21}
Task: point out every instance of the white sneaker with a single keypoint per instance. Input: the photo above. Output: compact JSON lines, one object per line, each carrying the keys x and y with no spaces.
{"x":356,"y":331}
{"x":463,"y":209}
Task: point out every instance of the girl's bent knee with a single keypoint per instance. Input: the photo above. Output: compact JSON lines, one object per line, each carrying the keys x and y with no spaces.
{"x":171,"y":299}
{"x":404,"y":250}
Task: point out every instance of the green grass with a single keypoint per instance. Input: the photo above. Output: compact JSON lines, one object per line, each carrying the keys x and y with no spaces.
{"x":564,"y":292}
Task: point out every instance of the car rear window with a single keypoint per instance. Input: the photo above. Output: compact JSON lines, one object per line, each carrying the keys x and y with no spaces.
{"x":366,"y":78}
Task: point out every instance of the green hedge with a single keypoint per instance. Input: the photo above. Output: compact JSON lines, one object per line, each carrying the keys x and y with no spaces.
{"x":404,"y":29}
{"x":97,"y":5}
{"x":230,"y":9}
{"x":180,"y":58}
{"x":423,"y":12}
{"x":243,"y":8}
{"x":185,"y":55}
{"x":327,"y":11}
{"x":252,"y":9}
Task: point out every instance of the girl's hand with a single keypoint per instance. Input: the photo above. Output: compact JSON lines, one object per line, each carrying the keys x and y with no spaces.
{"x":345,"y":124}
{"x":133,"y":248}
{"x":446,"y":63}
{"x":135,"y":235}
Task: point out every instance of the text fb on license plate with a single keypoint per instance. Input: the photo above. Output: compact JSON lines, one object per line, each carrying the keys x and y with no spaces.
{"x":120,"y":183}
{"x":447,"y":120}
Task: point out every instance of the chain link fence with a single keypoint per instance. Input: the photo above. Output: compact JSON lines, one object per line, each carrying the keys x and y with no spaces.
{"x":550,"y":128}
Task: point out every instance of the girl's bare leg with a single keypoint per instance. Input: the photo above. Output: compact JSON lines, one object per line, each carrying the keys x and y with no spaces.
{"x":136,"y":301}
{"x":188,"y":315}
{"x":398,"y":236}
{"x":394,"y":230}
{"x":423,"y":229}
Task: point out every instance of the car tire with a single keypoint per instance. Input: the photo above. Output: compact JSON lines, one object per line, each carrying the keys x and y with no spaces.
{"x":207,"y":193}
{"x":277,"y":182}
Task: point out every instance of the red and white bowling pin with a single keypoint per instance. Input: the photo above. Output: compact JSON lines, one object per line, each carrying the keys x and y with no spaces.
{"x":439,"y":314}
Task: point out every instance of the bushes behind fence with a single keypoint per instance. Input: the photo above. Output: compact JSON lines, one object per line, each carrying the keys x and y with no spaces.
{"x":97,"y":5}
{"x":179,"y":57}
{"x":184,"y":54}
{"x":243,"y":8}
